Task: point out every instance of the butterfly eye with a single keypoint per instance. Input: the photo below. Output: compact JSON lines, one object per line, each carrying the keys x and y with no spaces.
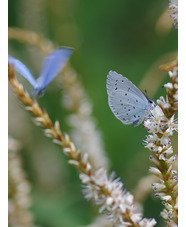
{"x":40,"y":93}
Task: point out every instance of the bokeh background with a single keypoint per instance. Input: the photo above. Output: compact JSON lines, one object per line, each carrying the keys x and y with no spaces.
{"x":131,"y":37}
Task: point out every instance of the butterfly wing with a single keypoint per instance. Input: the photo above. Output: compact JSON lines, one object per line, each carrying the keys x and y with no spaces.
{"x":125,"y":108}
{"x":52,"y":65}
{"x":126,"y":101}
{"x":22,"y":69}
{"x":117,"y":81}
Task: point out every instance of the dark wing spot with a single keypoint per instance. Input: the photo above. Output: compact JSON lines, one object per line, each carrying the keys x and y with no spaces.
{"x":120,"y":100}
{"x":124,"y":107}
{"x":121,"y":104}
{"x":138,"y":115}
{"x":115,"y":83}
{"x":116,"y":88}
{"x":116,"y":80}
{"x":134,"y":107}
{"x":116,"y":113}
{"x":127,"y":114}
{"x":126,"y":94}
{"x":135,"y":116}
{"x":128,"y":109}
{"x":136,"y":100}
{"x":129,"y":89}
{"x":124,"y":119}
{"x":122,"y":81}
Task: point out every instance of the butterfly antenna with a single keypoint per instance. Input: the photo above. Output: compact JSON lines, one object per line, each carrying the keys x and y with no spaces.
{"x":157,"y":91}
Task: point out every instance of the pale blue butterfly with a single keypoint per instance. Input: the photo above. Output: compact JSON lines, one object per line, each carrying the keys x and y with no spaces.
{"x":53,"y":63}
{"x":128,"y":103}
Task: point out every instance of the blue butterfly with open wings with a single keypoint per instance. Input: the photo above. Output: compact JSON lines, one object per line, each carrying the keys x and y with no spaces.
{"x":53,"y":63}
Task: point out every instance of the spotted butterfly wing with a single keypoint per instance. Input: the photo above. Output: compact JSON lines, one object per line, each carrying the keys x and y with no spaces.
{"x":127,"y":102}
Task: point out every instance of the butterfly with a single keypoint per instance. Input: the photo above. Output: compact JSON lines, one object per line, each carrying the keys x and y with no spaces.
{"x":53,"y":63}
{"x":128,"y":103}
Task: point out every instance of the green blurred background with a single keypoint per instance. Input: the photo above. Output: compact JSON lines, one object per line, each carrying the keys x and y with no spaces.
{"x":128,"y":36}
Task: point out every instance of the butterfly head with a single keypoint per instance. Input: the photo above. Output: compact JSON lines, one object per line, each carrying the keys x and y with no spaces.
{"x":36,"y":91}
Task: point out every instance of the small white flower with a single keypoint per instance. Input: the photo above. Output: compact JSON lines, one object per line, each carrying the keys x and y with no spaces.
{"x":174,"y":73}
{"x":74,"y":163}
{"x":73,"y":148}
{"x":153,"y":160}
{"x":57,"y":142}
{"x":173,"y":7}
{"x":57,"y":125}
{"x":165,"y":140}
{"x":164,"y":214}
{"x":168,"y":151}
{"x":136,"y":217}
{"x":176,"y":86}
{"x":168,"y":86}
{"x":163,"y":196}
{"x":129,"y":199}
{"x":147,"y":222}
{"x":158,"y":186}
{"x":167,"y":205}
{"x":175,"y":96}
{"x":171,"y":159}
{"x":109,"y":201}
{"x":85,"y":158}
{"x":84,"y":178}
{"x":155,"y":171}
{"x":88,"y":167}
{"x":162,"y":157}
{"x":67,"y":150}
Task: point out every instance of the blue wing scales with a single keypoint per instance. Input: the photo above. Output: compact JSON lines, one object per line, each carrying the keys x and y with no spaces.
{"x":52,"y":65}
{"x":116,"y":81}
{"x":22,"y":70}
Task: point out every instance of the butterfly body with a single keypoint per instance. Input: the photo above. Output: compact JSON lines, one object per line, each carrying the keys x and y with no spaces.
{"x":128,"y":103}
{"x":53,"y":63}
